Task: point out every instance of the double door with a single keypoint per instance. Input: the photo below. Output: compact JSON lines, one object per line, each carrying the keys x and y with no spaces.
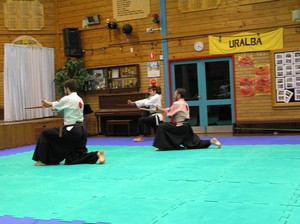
{"x":209,"y":85}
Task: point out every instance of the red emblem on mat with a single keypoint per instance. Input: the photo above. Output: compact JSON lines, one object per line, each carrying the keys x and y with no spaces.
{"x":80,"y":105}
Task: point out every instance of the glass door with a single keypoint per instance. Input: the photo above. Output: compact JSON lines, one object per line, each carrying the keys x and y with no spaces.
{"x":209,"y":86}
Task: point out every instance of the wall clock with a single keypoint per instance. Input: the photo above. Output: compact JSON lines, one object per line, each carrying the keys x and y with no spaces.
{"x":198,"y":46}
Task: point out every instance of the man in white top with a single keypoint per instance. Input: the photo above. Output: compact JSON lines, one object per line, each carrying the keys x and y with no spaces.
{"x":69,"y":141}
{"x":155,"y":118}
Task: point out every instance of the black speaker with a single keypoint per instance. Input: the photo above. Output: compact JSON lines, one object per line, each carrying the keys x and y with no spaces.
{"x":72,"y":45}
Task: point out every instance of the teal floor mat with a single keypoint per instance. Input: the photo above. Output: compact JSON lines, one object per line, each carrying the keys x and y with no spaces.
{"x":238,"y":184}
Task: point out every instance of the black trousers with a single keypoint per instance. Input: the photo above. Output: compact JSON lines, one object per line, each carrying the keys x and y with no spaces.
{"x":169,"y":136}
{"x":71,"y":147}
{"x":143,"y":121}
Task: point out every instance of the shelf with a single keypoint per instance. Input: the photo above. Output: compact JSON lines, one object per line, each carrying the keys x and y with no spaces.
{"x":114,"y":78}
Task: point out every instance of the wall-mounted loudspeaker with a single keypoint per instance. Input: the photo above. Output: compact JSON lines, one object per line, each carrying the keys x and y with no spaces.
{"x":72,"y":45}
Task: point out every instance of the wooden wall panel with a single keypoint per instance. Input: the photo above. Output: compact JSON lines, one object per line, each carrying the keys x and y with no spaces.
{"x":103,"y":47}
{"x":46,"y":36}
{"x":230,"y":18}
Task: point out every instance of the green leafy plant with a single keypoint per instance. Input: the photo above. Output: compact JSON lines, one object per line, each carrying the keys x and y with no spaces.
{"x":72,"y":69}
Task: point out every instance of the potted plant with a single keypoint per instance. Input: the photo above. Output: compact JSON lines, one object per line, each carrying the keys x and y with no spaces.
{"x":72,"y":69}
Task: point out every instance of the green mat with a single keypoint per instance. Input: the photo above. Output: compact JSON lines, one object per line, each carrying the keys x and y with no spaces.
{"x":238,"y":184}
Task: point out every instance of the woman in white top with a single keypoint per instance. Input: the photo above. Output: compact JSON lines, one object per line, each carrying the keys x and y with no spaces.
{"x":155,"y":118}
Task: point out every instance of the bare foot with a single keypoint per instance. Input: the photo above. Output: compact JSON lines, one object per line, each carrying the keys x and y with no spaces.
{"x":216,"y":142}
{"x":101,"y":156}
{"x":138,"y":139}
{"x":39,"y":163}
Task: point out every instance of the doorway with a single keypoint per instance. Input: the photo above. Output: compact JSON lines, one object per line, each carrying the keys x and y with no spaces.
{"x":209,"y":85}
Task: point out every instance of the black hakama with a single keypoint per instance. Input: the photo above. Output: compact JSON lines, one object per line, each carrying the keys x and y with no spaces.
{"x":71,"y":147}
{"x":169,"y":136}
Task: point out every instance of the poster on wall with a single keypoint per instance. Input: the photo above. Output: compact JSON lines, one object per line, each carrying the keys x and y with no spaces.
{"x":97,"y":80}
{"x":199,"y":5}
{"x":153,"y":69}
{"x":258,"y":80}
{"x":297,"y":57}
{"x":287,"y":76}
{"x":246,"y":60}
{"x":247,"y":86}
{"x":280,"y":84}
{"x":262,"y":79}
{"x":280,"y":95}
{"x":130,"y":9}
{"x":297,"y":94}
{"x":23,"y":15}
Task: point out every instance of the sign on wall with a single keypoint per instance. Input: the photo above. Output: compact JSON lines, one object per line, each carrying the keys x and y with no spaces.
{"x":197,"y":5}
{"x":246,"y":42}
{"x":153,"y":69}
{"x":23,"y":15}
{"x":130,"y":9}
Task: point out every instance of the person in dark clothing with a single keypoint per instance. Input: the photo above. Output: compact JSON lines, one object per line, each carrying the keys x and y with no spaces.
{"x":177,"y":134}
{"x":155,"y":118}
{"x":69,"y":141}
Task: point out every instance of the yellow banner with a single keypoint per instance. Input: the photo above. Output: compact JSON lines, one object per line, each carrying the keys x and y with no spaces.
{"x":246,"y":42}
